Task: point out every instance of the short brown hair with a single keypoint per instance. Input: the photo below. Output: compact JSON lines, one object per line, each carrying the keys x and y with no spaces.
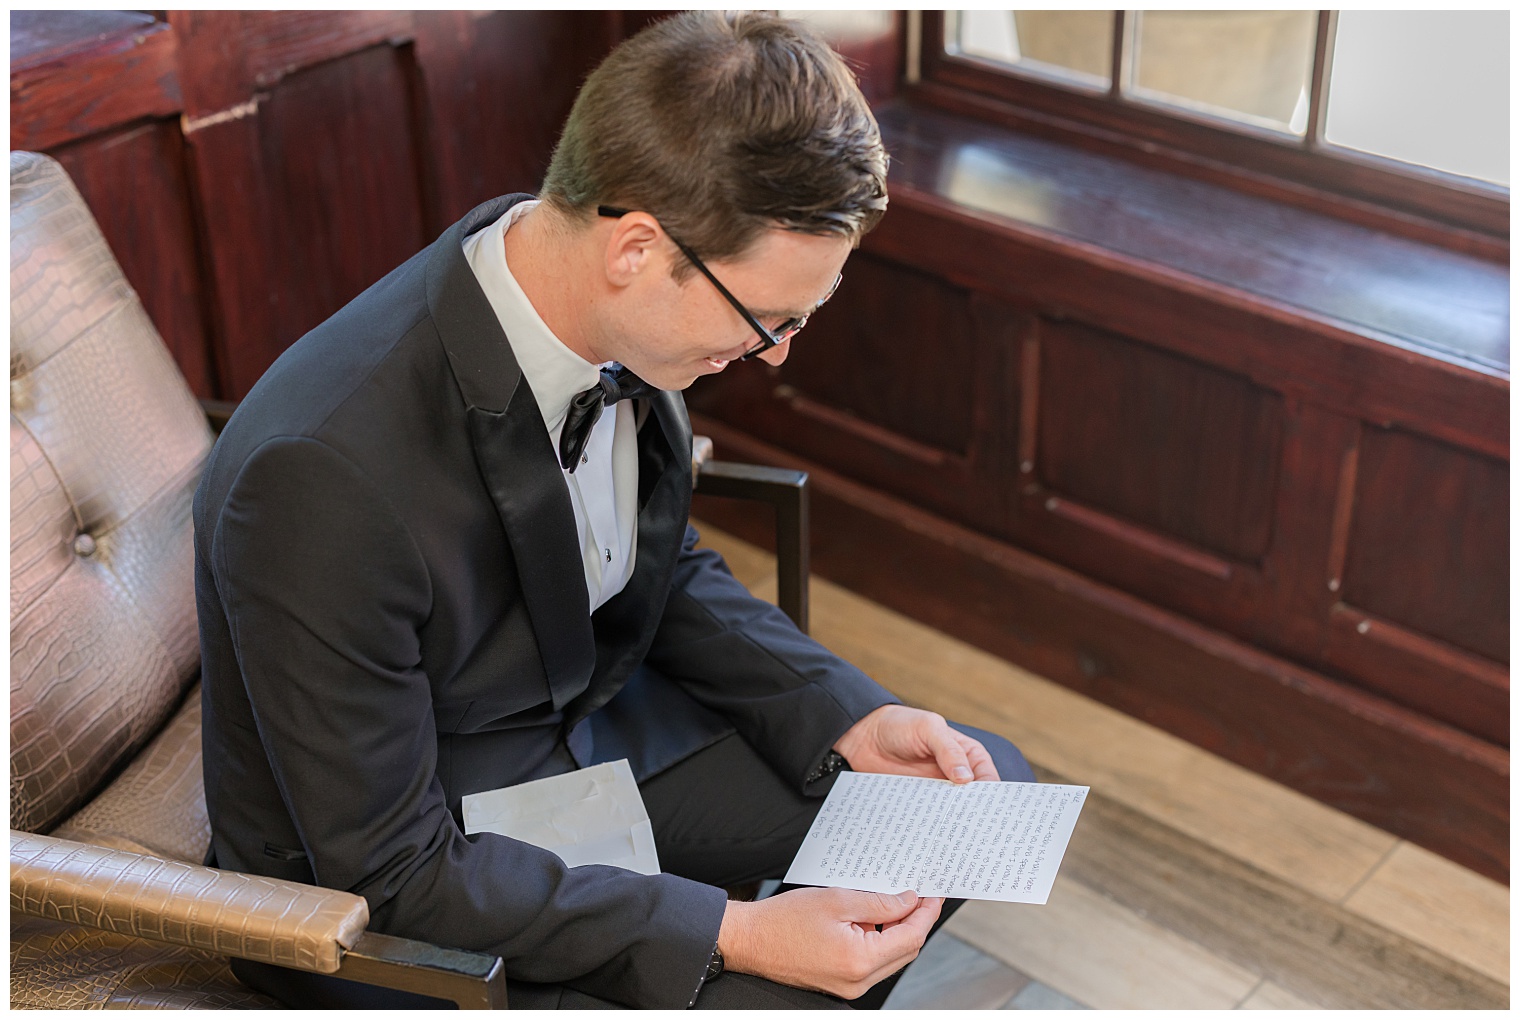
{"x":722,"y":125}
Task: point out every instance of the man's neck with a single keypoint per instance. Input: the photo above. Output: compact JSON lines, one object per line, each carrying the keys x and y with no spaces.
{"x":547,"y":263}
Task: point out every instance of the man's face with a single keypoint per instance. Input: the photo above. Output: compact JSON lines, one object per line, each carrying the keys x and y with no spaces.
{"x":672,"y":333}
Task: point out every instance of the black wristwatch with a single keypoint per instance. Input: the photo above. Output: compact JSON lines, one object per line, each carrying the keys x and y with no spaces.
{"x":832,"y":762}
{"x":715,"y":965}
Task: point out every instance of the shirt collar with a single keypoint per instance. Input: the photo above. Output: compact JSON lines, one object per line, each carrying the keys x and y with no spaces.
{"x":554,"y":372}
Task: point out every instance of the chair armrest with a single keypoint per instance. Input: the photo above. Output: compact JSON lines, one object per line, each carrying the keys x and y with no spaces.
{"x":217,"y":412}
{"x":288,"y":924}
{"x":701,"y":453}
{"x":787,"y":492}
{"x":284,"y":923}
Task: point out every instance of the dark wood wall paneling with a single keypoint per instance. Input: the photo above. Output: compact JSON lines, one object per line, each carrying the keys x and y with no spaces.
{"x":255,"y":170}
{"x":1232,"y":467}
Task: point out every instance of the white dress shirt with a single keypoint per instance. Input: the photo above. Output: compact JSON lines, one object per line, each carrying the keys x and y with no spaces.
{"x":604,"y":490}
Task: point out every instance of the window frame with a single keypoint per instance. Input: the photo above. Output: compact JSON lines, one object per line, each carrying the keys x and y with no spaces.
{"x":1382,"y":187}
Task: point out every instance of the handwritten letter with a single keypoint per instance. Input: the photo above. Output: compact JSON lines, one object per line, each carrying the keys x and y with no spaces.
{"x":985,"y":841}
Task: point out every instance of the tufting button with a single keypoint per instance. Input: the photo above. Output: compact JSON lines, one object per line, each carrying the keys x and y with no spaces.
{"x":84,"y":544}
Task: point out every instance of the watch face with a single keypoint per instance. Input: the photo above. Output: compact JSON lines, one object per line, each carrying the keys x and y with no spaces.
{"x":715,"y":965}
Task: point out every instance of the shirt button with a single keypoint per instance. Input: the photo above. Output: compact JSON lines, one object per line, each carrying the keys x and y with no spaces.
{"x":585,"y":459}
{"x":607,"y":553}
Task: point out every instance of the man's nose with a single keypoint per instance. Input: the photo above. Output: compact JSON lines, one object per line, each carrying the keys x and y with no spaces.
{"x":776,"y":355}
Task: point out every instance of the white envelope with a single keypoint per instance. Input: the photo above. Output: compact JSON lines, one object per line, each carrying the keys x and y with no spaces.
{"x":592,"y":816}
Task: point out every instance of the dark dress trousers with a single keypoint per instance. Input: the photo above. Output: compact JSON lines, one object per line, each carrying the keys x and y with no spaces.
{"x":393,"y":614}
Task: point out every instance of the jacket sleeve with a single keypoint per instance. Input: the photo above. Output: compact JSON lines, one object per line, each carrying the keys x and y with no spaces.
{"x":325,"y":591}
{"x":785,"y":693}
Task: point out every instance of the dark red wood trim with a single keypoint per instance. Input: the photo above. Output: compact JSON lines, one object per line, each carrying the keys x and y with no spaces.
{"x":1319,"y":82}
{"x":129,"y":79}
{"x":42,"y":37}
{"x":1445,"y":199}
{"x":1340,"y":522}
{"x":1029,"y":407}
{"x":1118,"y":66}
{"x":835,"y":419}
{"x":1140,"y":538}
{"x":1364,"y":374}
{"x":271,"y":45}
{"x":1396,"y":769}
{"x":1398,"y":663}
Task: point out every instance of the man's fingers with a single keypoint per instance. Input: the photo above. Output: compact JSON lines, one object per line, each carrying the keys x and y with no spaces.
{"x":934,"y":903}
{"x":950,"y":756}
{"x":981,"y":761}
{"x":897,"y":942}
{"x":869,"y":908}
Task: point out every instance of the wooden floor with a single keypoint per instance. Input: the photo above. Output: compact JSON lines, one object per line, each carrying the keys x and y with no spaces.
{"x":1189,"y":882}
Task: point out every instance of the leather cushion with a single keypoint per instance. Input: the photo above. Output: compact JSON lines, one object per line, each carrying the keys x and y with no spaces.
{"x":107,"y":446}
{"x":158,"y":805}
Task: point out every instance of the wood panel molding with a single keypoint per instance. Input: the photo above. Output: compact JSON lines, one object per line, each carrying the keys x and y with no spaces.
{"x":1340,"y":523}
{"x":1172,"y":444}
{"x":829,"y":417}
{"x":130,"y":76}
{"x":1157,"y":545}
{"x":1432,"y":677}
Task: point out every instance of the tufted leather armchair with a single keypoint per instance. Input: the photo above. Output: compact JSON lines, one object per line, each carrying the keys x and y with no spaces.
{"x":110,"y":905}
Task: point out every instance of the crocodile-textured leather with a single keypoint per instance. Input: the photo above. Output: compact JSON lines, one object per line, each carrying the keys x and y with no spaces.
{"x":158,"y":805}
{"x":61,"y":966}
{"x":107,"y":445}
{"x":223,"y":912}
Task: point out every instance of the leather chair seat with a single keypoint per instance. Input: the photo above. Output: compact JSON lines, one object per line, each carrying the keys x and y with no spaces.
{"x":66,"y":966}
{"x":157,"y":805}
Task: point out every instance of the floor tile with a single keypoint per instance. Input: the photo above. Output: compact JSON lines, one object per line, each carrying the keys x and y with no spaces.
{"x":1101,"y":954}
{"x":1442,"y":905}
{"x":1315,"y":948}
{"x":949,"y":974}
{"x":1270,"y":996}
{"x":1038,"y":996}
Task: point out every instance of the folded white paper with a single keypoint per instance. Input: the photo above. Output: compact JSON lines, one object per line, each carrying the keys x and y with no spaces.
{"x":983,"y":841}
{"x":592,"y":816}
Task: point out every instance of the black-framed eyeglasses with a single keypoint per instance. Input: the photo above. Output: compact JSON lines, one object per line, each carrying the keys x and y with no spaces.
{"x":768,"y":338}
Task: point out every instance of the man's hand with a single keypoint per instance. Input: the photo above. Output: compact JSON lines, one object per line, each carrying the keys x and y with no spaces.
{"x":826,"y":940}
{"x":904,"y":741}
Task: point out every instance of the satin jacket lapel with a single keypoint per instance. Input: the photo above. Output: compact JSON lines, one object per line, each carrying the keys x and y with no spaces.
{"x":523,"y":476}
{"x":516,"y":459}
{"x":625,"y":626}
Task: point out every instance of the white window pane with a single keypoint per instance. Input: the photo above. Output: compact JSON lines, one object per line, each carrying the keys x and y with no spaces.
{"x":1071,"y":46}
{"x":1247,"y":66}
{"x":1426,"y":87}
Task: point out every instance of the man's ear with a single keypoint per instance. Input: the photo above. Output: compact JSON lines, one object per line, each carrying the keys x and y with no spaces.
{"x":634,"y":247}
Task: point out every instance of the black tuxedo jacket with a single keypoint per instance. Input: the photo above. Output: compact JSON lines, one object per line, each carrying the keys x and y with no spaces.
{"x":393,"y":614}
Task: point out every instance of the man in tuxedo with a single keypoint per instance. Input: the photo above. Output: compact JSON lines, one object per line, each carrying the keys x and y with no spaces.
{"x":442,"y":547}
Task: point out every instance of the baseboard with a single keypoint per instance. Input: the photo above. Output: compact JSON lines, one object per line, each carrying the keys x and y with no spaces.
{"x":1425,"y":781}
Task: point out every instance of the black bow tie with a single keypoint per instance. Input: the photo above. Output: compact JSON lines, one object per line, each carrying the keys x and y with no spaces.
{"x":585,"y":408}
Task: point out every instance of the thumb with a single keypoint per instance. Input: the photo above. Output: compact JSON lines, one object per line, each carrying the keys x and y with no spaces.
{"x":880,"y":908}
{"x":952,"y":761}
